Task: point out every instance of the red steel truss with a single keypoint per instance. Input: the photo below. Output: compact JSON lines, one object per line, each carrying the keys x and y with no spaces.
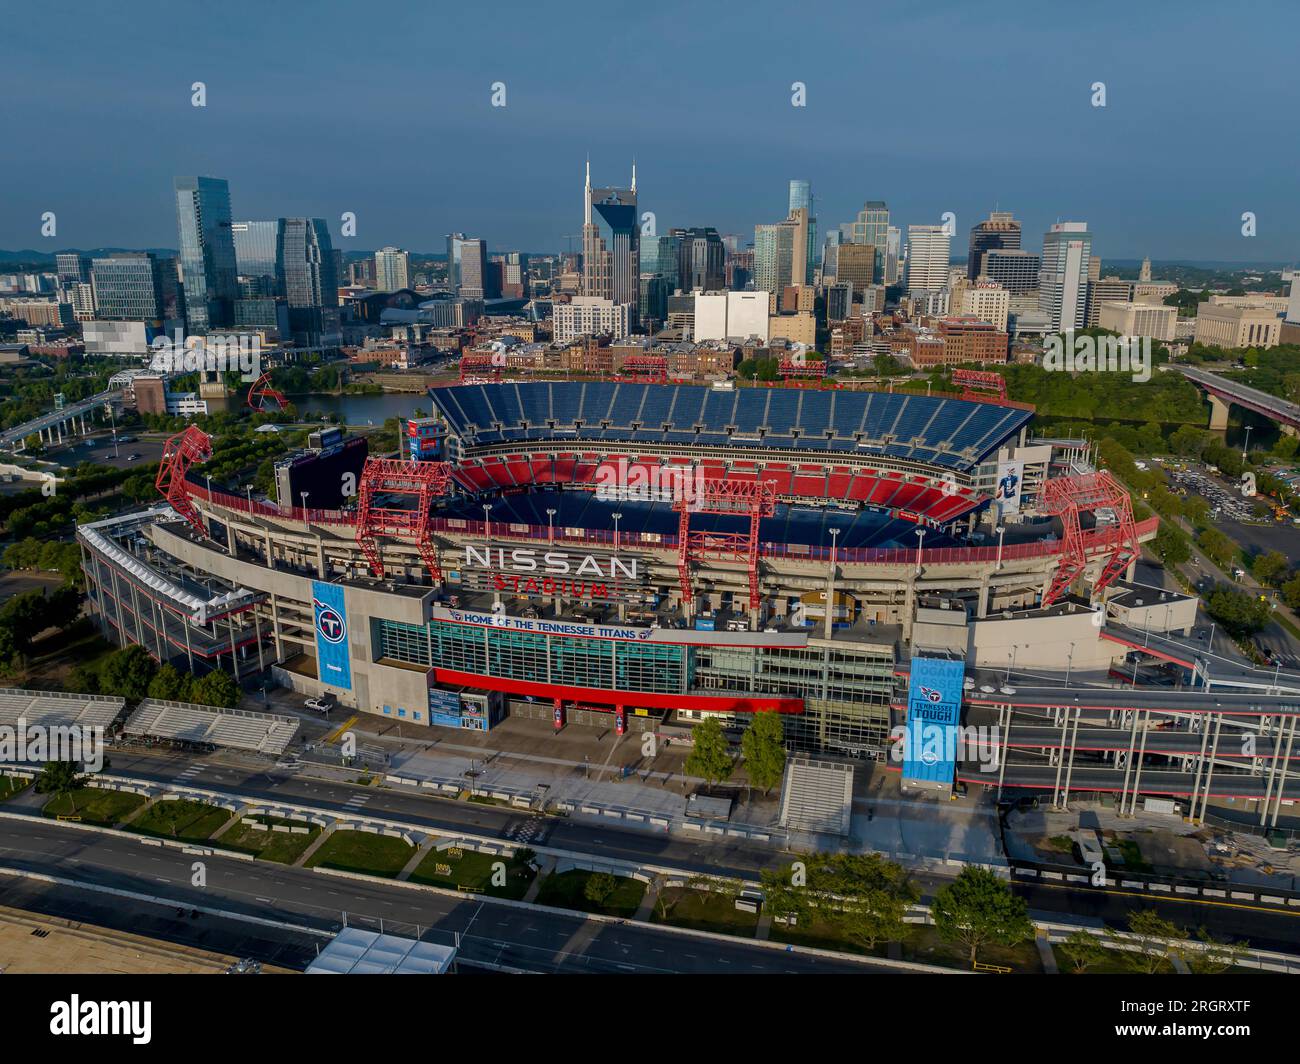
{"x":1113,"y":537}
{"x":179,"y":453}
{"x":260,"y":391}
{"x":389,"y":476}
{"x":644,"y":369}
{"x":757,"y":499}
{"x":978,"y":383}
{"x":801,"y":369}
{"x":474,"y":368}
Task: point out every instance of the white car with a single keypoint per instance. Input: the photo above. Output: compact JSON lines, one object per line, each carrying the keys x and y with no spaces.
{"x":321,"y":705}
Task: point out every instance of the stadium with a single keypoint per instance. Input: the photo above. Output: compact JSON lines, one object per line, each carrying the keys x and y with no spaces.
{"x":633,"y":553}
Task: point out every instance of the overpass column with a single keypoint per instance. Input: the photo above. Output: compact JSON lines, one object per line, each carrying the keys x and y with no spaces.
{"x":1209,"y":769}
{"x":1286,"y":763}
{"x":1218,"y":412}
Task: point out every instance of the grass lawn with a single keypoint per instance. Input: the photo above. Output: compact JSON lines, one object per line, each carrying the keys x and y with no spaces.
{"x":184,"y":819}
{"x":821,"y":935}
{"x":473,"y":872}
{"x":11,"y":785}
{"x":1133,"y":860}
{"x":566,"y":891}
{"x":282,"y":846}
{"x":361,"y":851}
{"x":94,"y":806}
{"x":704,"y":911}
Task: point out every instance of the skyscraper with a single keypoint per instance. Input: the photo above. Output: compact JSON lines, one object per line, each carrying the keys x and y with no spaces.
{"x":701,"y":260}
{"x":73,"y":268}
{"x":392,"y":269}
{"x":893,"y":255}
{"x":455,"y":243}
{"x":929,"y":252}
{"x":127,"y":287}
{"x":257,"y":252}
{"x":1063,"y":276}
{"x":801,"y":197}
{"x":311,"y":285}
{"x":999,"y":230}
{"x":780,"y":252}
{"x":872,"y":227}
{"x":207,"y":251}
{"x":611,"y":232}
{"x":473,"y":269}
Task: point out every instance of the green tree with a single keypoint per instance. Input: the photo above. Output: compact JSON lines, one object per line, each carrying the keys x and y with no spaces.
{"x":600,"y":886}
{"x":127,"y":673}
{"x":1271,"y":568}
{"x":1155,"y":938}
{"x":1171,"y":545}
{"x":1084,"y":949}
{"x":1217,"y":547}
{"x":215,"y":689}
{"x":61,"y":778}
{"x":862,"y":897}
{"x":171,"y":684}
{"x":709,"y":757}
{"x":1215,"y":955}
{"x":1240,"y":613}
{"x":979,"y":910}
{"x":763,"y":745}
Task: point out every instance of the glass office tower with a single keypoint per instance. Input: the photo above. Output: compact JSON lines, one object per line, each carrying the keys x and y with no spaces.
{"x":207,"y":251}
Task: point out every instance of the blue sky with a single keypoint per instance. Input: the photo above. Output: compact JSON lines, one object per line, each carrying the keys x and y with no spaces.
{"x":315,"y":109}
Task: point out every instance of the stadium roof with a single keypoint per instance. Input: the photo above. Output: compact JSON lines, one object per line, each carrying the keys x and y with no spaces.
{"x":938,"y":430}
{"x":354,"y":951}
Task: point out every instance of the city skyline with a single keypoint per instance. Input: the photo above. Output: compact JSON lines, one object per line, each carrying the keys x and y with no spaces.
{"x":719,"y":150}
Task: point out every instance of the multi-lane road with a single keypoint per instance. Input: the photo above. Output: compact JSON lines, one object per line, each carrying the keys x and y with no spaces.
{"x":491,"y":933}
{"x":1263,"y":927}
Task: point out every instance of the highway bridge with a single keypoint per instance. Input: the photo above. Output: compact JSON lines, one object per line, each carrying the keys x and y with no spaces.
{"x":1223,"y":393}
{"x":57,"y":424}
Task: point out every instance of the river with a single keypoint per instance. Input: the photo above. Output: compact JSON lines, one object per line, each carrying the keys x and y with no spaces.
{"x":364,"y":409}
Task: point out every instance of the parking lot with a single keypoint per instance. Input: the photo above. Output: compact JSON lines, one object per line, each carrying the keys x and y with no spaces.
{"x":1224,"y":502}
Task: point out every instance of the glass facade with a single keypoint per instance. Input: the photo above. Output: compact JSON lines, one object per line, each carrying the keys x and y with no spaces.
{"x":127,"y":287}
{"x":846,"y":688}
{"x":207,"y":251}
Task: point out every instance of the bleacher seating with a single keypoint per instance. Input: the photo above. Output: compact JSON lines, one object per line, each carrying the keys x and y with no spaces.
{"x":952,"y":433}
{"x":817,"y":796}
{"x":237,"y":729}
{"x":50,"y":709}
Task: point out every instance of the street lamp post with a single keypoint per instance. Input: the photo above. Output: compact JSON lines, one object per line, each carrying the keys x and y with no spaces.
{"x":304,"y":495}
{"x":1069,"y":664}
{"x":622,"y":605}
{"x":487,"y":527}
{"x":1002,"y":531}
{"x":920,"y":538}
{"x":1011,"y":661}
{"x":550,"y":526}
{"x":1246,"y":446}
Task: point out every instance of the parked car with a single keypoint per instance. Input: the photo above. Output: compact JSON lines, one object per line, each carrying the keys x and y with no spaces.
{"x":323,"y":704}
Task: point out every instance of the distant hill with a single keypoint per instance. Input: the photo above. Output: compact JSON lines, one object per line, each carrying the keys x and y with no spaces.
{"x":33,"y":256}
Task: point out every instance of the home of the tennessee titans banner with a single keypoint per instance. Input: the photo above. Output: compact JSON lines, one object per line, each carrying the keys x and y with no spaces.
{"x":333,"y":664}
{"x":933,"y":713}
